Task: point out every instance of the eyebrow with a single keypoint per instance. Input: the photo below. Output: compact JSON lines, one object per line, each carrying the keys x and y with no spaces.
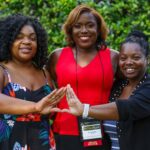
{"x":32,"y":33}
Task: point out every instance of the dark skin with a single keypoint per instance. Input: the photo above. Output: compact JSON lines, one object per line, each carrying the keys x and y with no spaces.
{"x":23,"y":50}
{"x":53,"y":58}
{"x":10,"y":105}
{"x":132,"y":63}
{"x":23,"y":72}
{"x":84,"y":34}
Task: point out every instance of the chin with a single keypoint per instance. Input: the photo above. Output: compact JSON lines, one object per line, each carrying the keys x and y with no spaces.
{"x":132,"y":77}
{"x":85,"y":46}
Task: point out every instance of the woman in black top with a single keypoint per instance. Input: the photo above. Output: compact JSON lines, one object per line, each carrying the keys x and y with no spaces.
{"x":131,"y":108}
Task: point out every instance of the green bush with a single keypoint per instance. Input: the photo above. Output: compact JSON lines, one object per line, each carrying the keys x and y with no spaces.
{"x":120,"y":16}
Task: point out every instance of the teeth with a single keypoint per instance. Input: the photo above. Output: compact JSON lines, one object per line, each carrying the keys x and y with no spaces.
{"x":130,"y":70}
{"x":84,"y":38}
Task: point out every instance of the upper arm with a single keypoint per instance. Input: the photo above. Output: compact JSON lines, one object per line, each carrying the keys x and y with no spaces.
{"x":48,"y":77}
{"x":114,"y":59}
{"x":52,"y":62}
{"x":2,"y":79}
{"x":136,"y":107}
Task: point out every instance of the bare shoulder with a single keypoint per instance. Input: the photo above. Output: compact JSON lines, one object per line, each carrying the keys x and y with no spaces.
{"x":53,"y":57}
{"x":56,"y":53}
{"x":114,"y":53}
{"x":2,"y":78}
{"x":52,"y":61}
{"x":114,"y":59}
{"x":48,"y":76}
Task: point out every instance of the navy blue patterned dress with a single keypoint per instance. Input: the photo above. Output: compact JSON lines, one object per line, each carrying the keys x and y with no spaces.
{"x":25,"y":132}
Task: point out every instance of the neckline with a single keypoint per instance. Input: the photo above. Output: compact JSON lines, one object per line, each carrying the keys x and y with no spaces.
{"x":85,"y":66}
{"x":140,"y":83}
{"x":25,"y":88}
{"x":117,"y":92}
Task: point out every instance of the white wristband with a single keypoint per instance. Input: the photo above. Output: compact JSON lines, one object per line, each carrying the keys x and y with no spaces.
{"x":86,"y":110}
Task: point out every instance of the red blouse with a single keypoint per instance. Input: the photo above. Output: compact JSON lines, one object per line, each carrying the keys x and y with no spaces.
{"x":93,"y":83}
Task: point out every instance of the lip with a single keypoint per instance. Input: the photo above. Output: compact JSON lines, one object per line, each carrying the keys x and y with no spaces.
{"x":84,"y":38}
{"x":25,"y":49}
{"x":129,"y":70}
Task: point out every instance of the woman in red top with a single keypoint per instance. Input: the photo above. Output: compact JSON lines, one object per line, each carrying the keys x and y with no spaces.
{"x":88,"y":66}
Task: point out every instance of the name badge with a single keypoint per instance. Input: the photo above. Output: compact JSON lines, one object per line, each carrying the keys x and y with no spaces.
{"x":90,"y":129}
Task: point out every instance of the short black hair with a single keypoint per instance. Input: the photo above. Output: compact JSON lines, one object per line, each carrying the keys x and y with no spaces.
{"x":10,"y":28}
{"x":140,"y":38}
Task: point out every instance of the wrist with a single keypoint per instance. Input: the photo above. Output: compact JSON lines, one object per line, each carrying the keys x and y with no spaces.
{"x":86,"y":108}
{"x":36,"y":108}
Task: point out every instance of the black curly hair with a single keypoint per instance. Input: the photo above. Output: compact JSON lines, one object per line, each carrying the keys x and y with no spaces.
{"x":10,"y":28}
{"x":140,"y":38}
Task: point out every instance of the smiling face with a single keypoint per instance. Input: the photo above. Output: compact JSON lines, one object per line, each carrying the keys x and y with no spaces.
{"x":132,"y":61}
{"x":85,"y":31}
{"x":24,"y":47}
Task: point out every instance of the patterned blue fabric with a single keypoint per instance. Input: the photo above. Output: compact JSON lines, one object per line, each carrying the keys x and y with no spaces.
{"x":25,"y":135}
{"x":110,"y":129}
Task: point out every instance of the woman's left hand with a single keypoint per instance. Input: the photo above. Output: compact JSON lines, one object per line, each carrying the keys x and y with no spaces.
{"x":75,"y":106}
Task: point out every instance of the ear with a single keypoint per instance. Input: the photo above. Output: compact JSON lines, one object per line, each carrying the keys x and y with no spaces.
{"x":148,"y":60}
{"x":148,"y":63}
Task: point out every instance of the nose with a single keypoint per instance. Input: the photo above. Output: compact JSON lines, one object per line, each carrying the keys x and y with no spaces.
{"x":129,"y":61}
{"x":26,"y":40}
{"x":83,"y":29}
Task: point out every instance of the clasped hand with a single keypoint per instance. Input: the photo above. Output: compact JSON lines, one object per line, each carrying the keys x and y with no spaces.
{"x":49,"y":102}
{"x":75,"y":107}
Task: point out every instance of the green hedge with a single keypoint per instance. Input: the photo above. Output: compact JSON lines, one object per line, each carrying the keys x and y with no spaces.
{"x":120,"y":16}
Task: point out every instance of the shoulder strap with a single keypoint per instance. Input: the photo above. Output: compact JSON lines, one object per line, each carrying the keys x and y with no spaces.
{"x":46,"y":80}
{"x":52,"y":85}
{"x":6,"y":73}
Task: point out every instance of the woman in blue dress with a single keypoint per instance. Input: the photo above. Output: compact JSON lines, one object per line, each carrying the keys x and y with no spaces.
{"x":23,"y":52}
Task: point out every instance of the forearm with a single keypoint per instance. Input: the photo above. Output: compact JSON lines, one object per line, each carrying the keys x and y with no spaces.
{"x":104,"y":112}
{"x":10,"y":105}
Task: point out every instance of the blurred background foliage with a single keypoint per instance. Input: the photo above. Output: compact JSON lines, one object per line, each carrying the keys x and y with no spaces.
{"x":121,"y":16}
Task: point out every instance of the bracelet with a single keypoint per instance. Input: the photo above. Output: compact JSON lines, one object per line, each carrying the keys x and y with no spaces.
{"x":86,"y":110}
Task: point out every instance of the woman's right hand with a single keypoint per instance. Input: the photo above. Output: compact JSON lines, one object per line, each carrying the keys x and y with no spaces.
{"x":48,"y":103}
